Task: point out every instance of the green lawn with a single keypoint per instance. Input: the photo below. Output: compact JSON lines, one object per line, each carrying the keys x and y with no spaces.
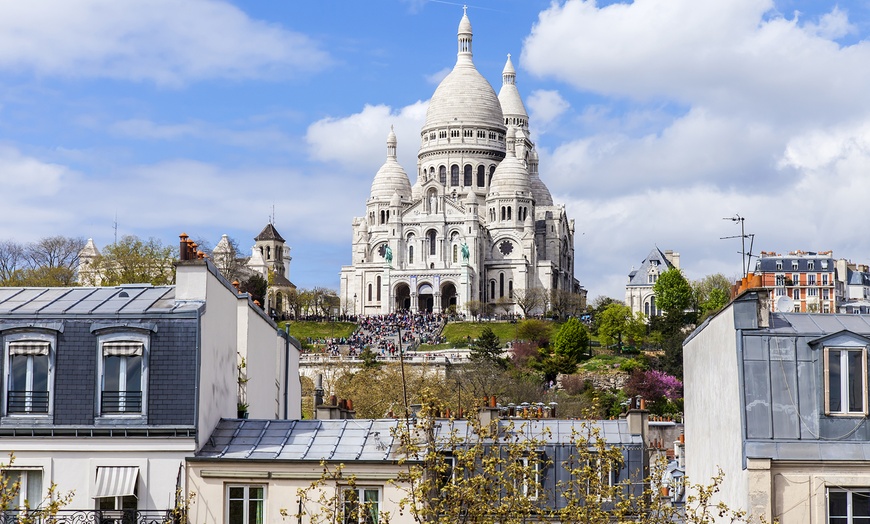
{"x":458,"y":333}
{"x":304,"y":329}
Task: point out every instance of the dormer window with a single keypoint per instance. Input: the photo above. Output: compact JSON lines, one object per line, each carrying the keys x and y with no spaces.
{"x":29,"y":379}
{"x":794,"y":265}
{"x":811,"y":266}
{"x":846,"y":381}
{"x":123,"y":373}
{"x":779,"y":265}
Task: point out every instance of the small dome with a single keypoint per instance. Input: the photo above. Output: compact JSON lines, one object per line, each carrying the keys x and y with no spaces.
{"x":539,"y":188}
{"x":391,"y":178}
{"x":509,"y":97}
{"x":471,"y":197}
{"x":511,"y":176}
{"x":364,"y":226}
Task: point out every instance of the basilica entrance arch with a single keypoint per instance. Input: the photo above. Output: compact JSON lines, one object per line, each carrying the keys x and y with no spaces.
{"x":448,"y":296}
{"x":403,"y":297}
{"x":425,"y":298}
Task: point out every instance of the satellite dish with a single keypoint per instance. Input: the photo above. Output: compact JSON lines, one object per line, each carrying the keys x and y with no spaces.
{"x":784,"y":304}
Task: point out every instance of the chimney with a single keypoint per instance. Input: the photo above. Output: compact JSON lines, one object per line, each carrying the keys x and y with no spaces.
{"x":183,"y":253}
{"x":638,"y":420}
{"x":488,"y":413}
{"x":318,"y":390}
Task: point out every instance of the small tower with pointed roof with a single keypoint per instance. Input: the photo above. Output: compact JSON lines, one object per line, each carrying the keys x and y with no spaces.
{"x":270,"y":245}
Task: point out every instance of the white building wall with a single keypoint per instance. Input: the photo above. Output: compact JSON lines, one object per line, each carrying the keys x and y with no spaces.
{"x":72,"y":465}
{"x":713,"y":409}
{"x":209,"y":481}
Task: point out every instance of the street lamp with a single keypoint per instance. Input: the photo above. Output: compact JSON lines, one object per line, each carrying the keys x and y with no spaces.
{"x":354,"y":304}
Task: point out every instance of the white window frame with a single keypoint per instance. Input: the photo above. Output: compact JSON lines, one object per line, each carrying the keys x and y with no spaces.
{"x":25,"y":475}
{"x":12,"y":339}
{"x":849,"y":506}
{"x":120,"y":337}
{"x":246,"y":505}
{"x":844,"y":381}
{"x":360,"y":502}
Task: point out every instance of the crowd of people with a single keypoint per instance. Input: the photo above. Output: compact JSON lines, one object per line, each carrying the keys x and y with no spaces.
{"x":381,"y":333}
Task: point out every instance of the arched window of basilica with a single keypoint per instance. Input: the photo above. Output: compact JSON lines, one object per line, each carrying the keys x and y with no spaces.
{"x":454,"y":175}
{"x":430,"y":236}
{"x":455,"y":253}
{"x":442,"y":174}
{"x":467,"y":176}
{"x":370,"y":293}
{"x":410,"y":254}
{"x":510,"y":289}
{"x":491,"y":289}
{"x":481,"y":176}
{"x":379,"y":288}
{"x":500,"y":285}
{"x":509,"y":212}
{"x":268,"y":253}
{"x":491,"y":172}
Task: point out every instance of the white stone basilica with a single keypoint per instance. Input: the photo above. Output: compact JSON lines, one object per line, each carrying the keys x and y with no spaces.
{"x":477,"y":225}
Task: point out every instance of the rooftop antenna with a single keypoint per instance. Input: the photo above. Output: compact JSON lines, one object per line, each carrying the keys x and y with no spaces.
{"x":272,"y":216}
{"x":115,"y":227}
{"x":747,"y":256}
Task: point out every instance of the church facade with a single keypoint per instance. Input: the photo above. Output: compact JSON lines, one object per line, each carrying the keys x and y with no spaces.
{"x":478,"y":224}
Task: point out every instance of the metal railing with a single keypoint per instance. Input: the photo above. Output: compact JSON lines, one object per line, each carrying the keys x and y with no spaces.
{"x":121,"y":402}
{"x":85,"y":516}
{"x":24,"y":401}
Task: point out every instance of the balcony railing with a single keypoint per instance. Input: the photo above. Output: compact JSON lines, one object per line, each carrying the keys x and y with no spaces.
{"x":23,"y":401}
{"x":121,"y":402}
{"x":126,"y":516}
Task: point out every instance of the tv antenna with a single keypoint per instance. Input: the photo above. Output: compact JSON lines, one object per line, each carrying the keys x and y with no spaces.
{"x":747,"y":256}
{"x":115,"y":227}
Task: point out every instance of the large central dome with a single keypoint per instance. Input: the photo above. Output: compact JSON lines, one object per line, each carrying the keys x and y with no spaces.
{"x":464,"y":96}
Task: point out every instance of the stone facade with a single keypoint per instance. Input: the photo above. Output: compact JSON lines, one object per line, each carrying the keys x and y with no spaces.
{"x":477,"y":225}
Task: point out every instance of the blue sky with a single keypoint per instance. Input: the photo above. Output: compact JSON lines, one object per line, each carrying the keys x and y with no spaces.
{"x":654,"y":119}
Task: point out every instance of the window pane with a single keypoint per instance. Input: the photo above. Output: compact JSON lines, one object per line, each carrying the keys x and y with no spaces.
{"x":255,"y":512}
{"x":834,"y":380}
{"x":112,"y":374}
{"x":33,"y":491}
{"x":837,"y":504}
{"x":860,"y":504}
{"x":19,"y":373}
{"x":134,"y":373}
{"x":856,"y":384}
{"x":40,"y":373}
{"x":237,"y":511}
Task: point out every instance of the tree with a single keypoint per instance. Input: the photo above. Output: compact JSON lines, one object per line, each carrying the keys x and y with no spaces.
{"x":711,"y":294}
{"x":535,"y":331}
{"x":657,"y":387}
{"x":256,"y":286}
{"x":673,"y":293}
{"x":487,"y":347}
{"x":530,"y":300}
{"x":54,"y":252}
{"x":11,"y":259}
{"x":503,"y":304}
{"x":134,"y":261}
{"x":617,"y":323}
{"x":475,"y":308}
{"x":572,"y":341}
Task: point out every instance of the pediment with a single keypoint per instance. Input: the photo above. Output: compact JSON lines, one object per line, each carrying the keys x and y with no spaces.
{"x":841,"y":339}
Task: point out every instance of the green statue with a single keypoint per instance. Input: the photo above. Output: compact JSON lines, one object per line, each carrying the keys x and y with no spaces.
{"x":388,"y":255}
{"x":465,"y":252}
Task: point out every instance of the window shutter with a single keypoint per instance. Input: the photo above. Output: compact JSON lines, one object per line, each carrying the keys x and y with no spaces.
{"x":123,"y":349}
{"x":29,"y":347}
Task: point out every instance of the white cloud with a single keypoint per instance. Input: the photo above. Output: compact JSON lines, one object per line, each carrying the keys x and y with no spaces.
{"x":735,"y":56}
{"x":261,"y":138}
{"x":161,"y":41}
{"x":438,"y":76}
{"x":832,"y":25}
{"x":359,"y":142}
{"x":545,"y":106}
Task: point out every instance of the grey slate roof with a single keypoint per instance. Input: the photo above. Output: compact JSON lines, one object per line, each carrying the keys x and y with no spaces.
{"x":269,"y":233}
{"x":768,"y":263}
{"x":638,"y":277}
{"x":103,"y":301}
{"x":370,"y":439}
{"x":790,"y":324}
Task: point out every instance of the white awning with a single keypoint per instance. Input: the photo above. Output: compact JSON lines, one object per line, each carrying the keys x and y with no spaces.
{"x":116,"y":481}
{"x":122,"y":349}
{"x":29,"y":347}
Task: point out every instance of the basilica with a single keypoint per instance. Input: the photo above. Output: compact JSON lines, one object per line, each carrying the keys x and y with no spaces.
{"x":478,"y":224}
